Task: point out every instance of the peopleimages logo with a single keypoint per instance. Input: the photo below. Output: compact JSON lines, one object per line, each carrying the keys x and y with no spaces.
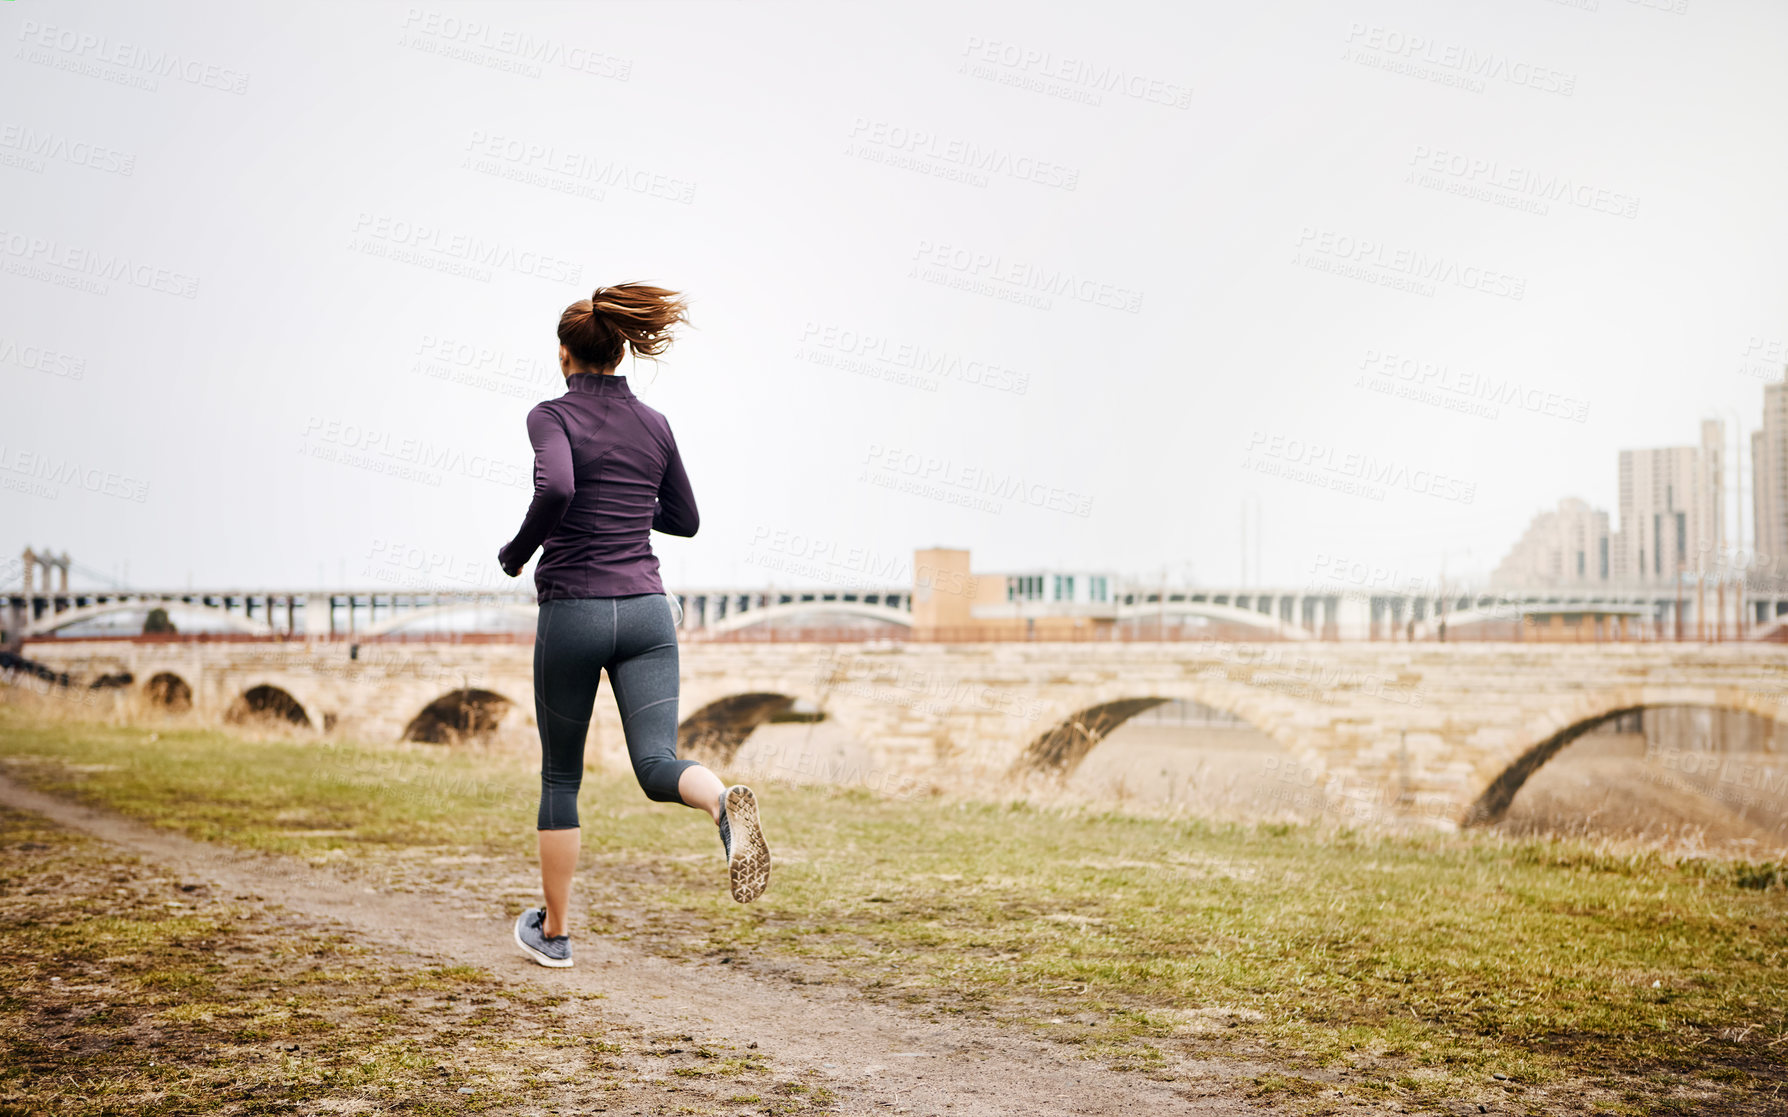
{"x":1073,"y":79}
{"x":409,"y":458}
{"x":40,"y":359}
{"x":503,"y":48}
{"x":134,"y":64}
{"x":1269,"y":453}
{"x":969,"y":485}
{"x":59,"y":472}
{"x":378,"y":234}
{"x":568,"y":172}
{"x":71,"y":265}
{"x":860,"y":351}
{"x":1473,"y":386}
{"x":1387,"y":48}
{"x":1015,"y":280}
{"x":1401,"y":268}
{"x":34,"y":146}
{"x":1508,"y":184}
{"x":952,"y":157}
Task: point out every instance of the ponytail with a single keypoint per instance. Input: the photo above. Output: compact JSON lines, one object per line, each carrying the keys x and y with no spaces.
{"x":599,"y":330}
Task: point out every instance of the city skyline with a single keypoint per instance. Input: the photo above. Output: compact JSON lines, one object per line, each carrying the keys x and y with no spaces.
{"x":1697,"y":521}
{"x":1606,"y":552}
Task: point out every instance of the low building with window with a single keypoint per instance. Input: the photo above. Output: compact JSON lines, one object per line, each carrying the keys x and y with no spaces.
{"x":1057,"y":587}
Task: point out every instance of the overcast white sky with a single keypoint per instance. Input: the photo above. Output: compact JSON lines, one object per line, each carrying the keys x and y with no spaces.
{"x":245,"y":361}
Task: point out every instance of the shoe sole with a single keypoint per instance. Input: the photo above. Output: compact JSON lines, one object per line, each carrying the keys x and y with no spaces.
{"x":543,"y":959}
{"x":748,"y":870}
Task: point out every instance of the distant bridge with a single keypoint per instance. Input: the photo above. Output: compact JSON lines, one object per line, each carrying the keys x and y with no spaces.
{"x":1441,"y":732}
{"x":358,"y":614}
{"x":1325,"y":612}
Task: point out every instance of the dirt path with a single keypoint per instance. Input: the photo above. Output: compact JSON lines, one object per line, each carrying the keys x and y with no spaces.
{"x":877,"y":1059}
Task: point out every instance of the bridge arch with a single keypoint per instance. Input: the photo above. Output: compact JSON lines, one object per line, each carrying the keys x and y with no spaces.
{"x":1515,"y":612}
{"x":1265,"y":624}
{"x":169,"y":691}
{"x":715,"y":732}
{"x":1064,"y":745}
{"x":459,"y":716}
{"x":1071,"y":734}
{"x":515,"y":617}
{"x":856,"y":610}
{"x":1513,"y":769}
{"x":50,"y":623}
{"x":1772,"y":631}
{"x":270,"y":702}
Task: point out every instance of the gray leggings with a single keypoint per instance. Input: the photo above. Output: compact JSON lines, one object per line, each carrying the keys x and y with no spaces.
{"x":635,"y":640}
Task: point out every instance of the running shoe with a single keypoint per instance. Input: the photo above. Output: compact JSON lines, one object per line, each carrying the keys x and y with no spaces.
{"x":742,"y":834}
{"x":531,"y":936}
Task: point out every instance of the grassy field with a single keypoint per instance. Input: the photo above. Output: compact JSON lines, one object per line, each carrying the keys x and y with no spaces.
{"x":125,"y":990}
{"x":1533,"y":975}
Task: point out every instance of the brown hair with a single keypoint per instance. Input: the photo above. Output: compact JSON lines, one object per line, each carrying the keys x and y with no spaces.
{"x":599,"y":330}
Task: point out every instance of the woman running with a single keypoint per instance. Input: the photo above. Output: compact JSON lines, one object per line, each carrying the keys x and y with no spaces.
{"x":607,"y":474}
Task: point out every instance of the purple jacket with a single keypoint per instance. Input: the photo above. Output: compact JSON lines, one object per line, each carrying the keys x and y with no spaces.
{"x":606,"y":475}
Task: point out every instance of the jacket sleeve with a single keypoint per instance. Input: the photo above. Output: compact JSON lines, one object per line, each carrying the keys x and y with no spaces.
{"x":676,"y":514}
{"x":554,"y":484}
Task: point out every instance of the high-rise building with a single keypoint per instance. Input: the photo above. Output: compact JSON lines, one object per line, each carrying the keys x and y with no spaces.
{"x":1769,"y":482}
{"x":1569,"y":546}
{"x":1672,"y":503}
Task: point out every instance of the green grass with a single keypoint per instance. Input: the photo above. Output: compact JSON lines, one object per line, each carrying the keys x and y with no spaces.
{"x":126,"y":990}
{"x":1419,"y":965}
{"x":135,"y":996}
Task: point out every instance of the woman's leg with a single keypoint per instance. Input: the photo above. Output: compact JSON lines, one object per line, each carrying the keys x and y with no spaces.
{"x":571,"y":641}
{"x":701,"y":789}
{"x":644,"y":677}
{"x":558,"y":864}
{"x":643,"y":673}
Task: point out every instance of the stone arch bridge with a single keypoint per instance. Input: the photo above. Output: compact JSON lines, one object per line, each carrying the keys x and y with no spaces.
{"x":1442,"y":732}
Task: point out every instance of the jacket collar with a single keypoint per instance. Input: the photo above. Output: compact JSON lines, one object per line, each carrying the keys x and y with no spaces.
{"x":595,"y":384}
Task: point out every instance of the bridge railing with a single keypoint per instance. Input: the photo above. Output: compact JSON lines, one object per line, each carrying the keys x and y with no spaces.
{"x":981,"y":634}
{"x":170,"y":638}
{"x":289,"y":638}
{"x":1528,"y":632}
{"x":507,"y":637}
{"x":792,"y":634}
{"x":1497,"y":632}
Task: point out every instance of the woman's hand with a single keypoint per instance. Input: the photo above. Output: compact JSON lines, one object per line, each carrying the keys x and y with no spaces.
{"x":503,"y":564}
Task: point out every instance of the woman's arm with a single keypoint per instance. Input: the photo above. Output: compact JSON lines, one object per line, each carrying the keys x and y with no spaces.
{"x":554,"y":484}
{"x":676,"y":514}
